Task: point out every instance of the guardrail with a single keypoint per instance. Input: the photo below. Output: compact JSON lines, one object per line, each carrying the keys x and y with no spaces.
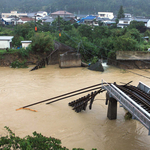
{"x":136,"y":110}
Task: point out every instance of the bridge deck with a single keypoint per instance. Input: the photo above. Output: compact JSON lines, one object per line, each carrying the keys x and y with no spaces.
{"x":138,"y":112}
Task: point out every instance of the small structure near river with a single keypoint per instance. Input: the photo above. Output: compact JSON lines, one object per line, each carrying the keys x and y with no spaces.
{"x":5,"y":42}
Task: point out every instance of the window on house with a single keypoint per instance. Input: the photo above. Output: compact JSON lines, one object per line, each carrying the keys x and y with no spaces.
{"x":125,"y":21}
{"x":102,"y":15}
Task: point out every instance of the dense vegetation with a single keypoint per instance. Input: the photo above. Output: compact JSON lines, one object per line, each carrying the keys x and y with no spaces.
{"x":91,"y":41}
{"x":135,"y":7}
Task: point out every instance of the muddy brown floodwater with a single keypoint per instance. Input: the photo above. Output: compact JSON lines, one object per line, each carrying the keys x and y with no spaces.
{"x":88,"y":129}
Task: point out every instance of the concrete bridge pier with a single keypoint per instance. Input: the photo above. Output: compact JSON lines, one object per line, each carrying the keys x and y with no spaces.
{"x":112,"y":107}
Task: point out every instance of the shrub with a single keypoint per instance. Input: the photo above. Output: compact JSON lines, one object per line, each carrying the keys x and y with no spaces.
{"x":18,"y":64}
{"x":94,"y":60}
{"x":24,"y":52}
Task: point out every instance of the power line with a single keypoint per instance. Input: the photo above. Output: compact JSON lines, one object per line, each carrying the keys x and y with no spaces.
{"x":109,"y":58}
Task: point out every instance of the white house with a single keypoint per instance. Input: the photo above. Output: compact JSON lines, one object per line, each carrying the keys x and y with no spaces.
{"x":25,"y":44}
{"x":127,"y":15}
{"x":106,"y":15}
{"x":41,"y":13}
{"x":124,"y":22}
{"x":5,"y":42}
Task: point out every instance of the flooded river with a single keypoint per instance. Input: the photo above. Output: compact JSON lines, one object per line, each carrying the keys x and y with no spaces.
{"x":89,"y":129}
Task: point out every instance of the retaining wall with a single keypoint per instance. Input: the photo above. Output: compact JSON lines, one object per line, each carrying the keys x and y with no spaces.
{"x":67,"y":60}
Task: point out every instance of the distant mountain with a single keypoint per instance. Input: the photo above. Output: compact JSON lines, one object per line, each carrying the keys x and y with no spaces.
{"x":135,"y":7}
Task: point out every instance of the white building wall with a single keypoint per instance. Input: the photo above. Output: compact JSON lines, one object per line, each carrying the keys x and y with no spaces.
{"x":14,"y":13}
{"x":4,"y":44}
{"x":25,"y":45}
{"x":148,"y":24}
{"x":43,"y":14}
{"x":106,"y":15}
{"x":124,"y":22}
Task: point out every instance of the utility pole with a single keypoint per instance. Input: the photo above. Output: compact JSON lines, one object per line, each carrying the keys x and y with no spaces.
{"x":59,"y":27}
{"x":35,"y":24}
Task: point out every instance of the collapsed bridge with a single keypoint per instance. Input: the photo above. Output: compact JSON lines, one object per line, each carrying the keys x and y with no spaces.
{"x":135,"y":100}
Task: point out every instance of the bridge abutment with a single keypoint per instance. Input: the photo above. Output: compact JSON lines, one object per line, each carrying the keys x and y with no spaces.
{"x":112,"y":107}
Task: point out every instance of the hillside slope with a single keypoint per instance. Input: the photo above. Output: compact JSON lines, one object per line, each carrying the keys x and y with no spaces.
{"x":136,"y":7}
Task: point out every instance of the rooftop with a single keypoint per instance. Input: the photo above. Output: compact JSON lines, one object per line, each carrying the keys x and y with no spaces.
{"x":6,"y":38}
{"x":27,"y":19}
{"x":90,"y":17}
{"x":61,"y":13}
{"x":26,"y":41}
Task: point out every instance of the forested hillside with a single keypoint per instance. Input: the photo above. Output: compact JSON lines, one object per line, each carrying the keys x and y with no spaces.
{"x":136,"y":7}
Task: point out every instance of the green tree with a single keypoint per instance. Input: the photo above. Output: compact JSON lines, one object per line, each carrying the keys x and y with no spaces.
{"x":24,"y":29}
{"x":125,"y":43}
{"x":139,"y":25}
{"x":86,"y":31}
{"x":147,"y":33}
{"x":120,"y":13}
{"x":133,"y":33}
{"x":16,"y":41}
{"x":42,"y":42}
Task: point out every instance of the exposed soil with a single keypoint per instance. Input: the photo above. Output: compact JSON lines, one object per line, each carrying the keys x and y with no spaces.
{"x":32,"y":59}
{"x":130,"y":64}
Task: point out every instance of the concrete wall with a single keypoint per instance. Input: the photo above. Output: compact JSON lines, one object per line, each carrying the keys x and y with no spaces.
{"x":70,"y":60}
{"x":132,"y":55}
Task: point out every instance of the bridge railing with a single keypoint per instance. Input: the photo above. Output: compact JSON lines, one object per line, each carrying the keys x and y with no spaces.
{"x":144,"y":87}
{"x":136,"y":110}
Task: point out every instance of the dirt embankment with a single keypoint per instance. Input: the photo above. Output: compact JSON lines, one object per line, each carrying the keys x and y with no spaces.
{"x":32,"y":59}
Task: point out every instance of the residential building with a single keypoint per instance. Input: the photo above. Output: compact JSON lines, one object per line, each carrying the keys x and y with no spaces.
{"x":5,"y":42}
{"x":124,"y":22}
{"x":41,"y":13}
{"x":146,"y":21}
{"x":106,"y":15}
{"x":13,"y":14}
{"x":48,"y":20}
{"x":90,"y":20}
{"x":45,"y":18}
{"x":106,"y":21}
{"x":9,"y":21}
{"x":24,"y":20}
{"x":31,"y":15}
{"x":62,"y":14}
{"x":71,"y":19}
{"x":127,"y":15}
